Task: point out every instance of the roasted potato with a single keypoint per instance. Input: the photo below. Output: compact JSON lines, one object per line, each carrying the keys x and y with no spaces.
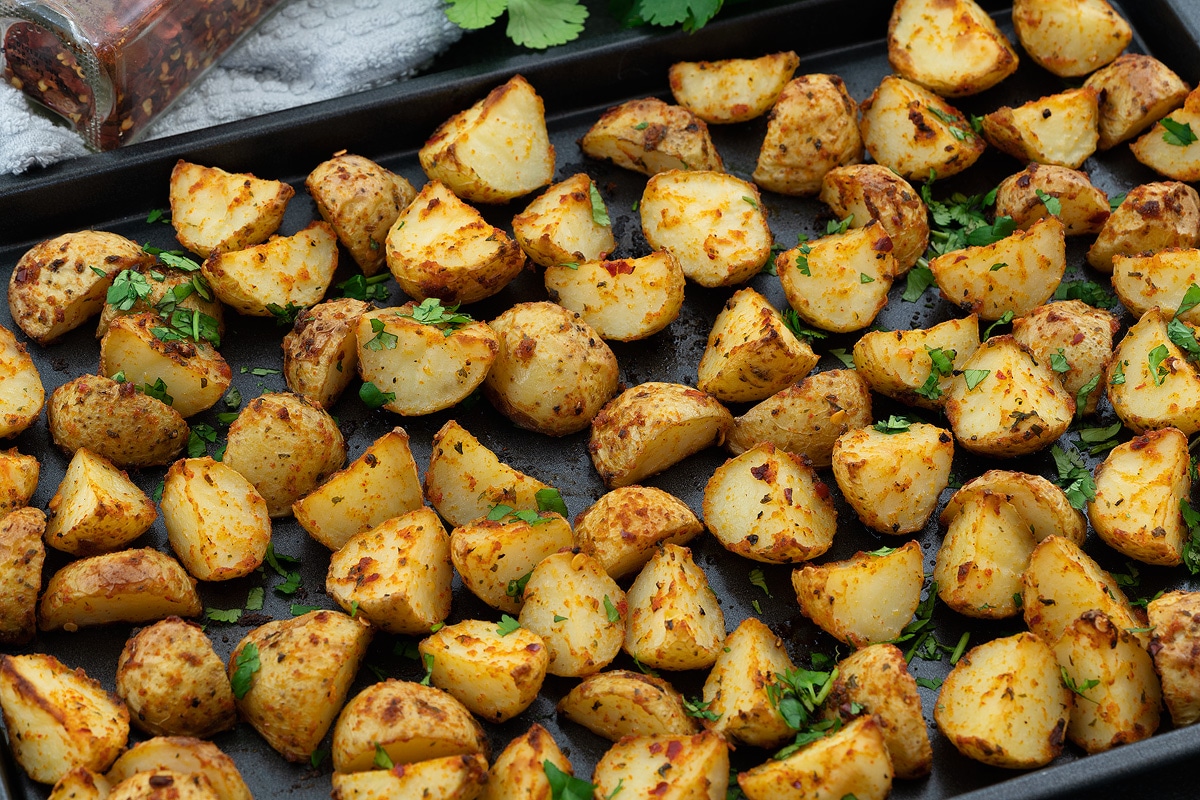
{"x":1168,"y":154}
{"x":1059,"y":129}
{"x":812,"y":129}
{"x":96,"y":508}
{"x":713,"y":223}
{"x":852,"y":761}
{"x":1153,"y":216}
{"x":1082,"y":207}
{"x":951,"y":47}
{"x":81,"y":783}
{"x":566,"y":224}
{"x":18,"y":479}
{"x":183,"y":755}
{"x":1135,"y":91}
{"x":494,"y":558}
{"x":623,"y":300}
{"x":1074,"y":335}
{"x":214,"y":211}
{"x":115,"y":421}
{"x":441,"y":247}
{"x":733,"y":90}
{"x":1003,"y":703}
{"x":737,"y":687}
{"x":652,"y":767}
{"x":495,"y":150}
{"x":519,"y":772}
{"x":650,"y":136}
{"x":314,"y":657}
{"x":450,"y":778}
{"x":125,"y":586}
{"x":1044,"y":507}
{"x":410,"y":722}
{"x":625,"y":527}
{"x":286,"y":271}
{"x":21,"y":392}
{"x":865,"y":192}
{"x":57,"y":718}
{"x":652,"y":426}
{"x":21,"y":557}
{"x":361,"y":200}
{"x":320,"y":352}
{"x":1175,"y":617}
{"x":911,"y":131}
{"x":553,"y":372}
{"x":285,"y":445}
{"x":164,"y":784}
{"x":1151,"y":382}
{"x":174,"y":683}
{"x":899,"y":364}
{"x":982,"y":557}
{"x":620,"y":703}
{"x":397,"y":575}
{"x":1070,"y":37}
{"x":1157,"y":279}
{"x":674,"y":620}
{"x":164,"y":290}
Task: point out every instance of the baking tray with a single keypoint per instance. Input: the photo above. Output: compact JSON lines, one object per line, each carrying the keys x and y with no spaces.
{"x":115,"y":191}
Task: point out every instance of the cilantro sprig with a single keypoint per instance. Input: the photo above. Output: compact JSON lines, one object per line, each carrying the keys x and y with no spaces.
{"x":1074,"y":478}
{"x":432,"y":312}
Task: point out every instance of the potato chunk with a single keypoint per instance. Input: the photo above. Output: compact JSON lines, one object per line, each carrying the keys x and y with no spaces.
{"x":96,"y":508}
{"x":1059,"y":129}
{"x":893,"y":480}
{"x":839,"y":283}
{"x":623,"y":300}
{"x":674,"y":619}
{"x":568,"y":223}
{"x":58,"y":718}
{"x":899,"y":364}
{"x":1082,"y":207}
{"x":853,"y":761}
{"x":751,"y":354}
{"x":667,"y":767}
{"x":769,"y":505}
{"x":1160,"y":279}
{"x":397,"y":574}
{"x":713,"y":223}
{"x":865,"y":599}
{"x":1044,"y":507}
{"x":621,"y":703}
{"x":441,"y":247}
{"x":125,"y":586}
{"x":164,"y":784}
{"x":650,"y":136}
{"x":449,"y":778}
{"x":361,"y":200}
{"x":1005,"y":403}
{"x":495,"y":150}
{"x":1135,"y":91}
{"x":1070,"y":37}
{"x":949,"y":46}
{"x":1003,"y":703}
{"x":1151,"y":382}
{"x":812,"y":129}
{"x":320,"y":352}
{"x":214,"y":211}
{"x":737,"y":686}
{"x":552,"y":372}
{"x":183,"y":755}
{"x":1175,"y":617}
{"x":115,"y":421}
{"x":173,"y":682}
{"x":911,"y":130}
{"x":18,"y":479}
{"x":164,"y":290}
{"x":81,"y":783}
{"x":1153,"y":216}
{"x":625,"y":527}
{"x":494,"y":558}
{"x":58,"y":284}
{"x":733,"y":90}
{"x":982,"y":557}
{"x":1159,"y":149}
{"x":494,"y":672}
{"x":865,"y":192}
{"x":22,"y":555}
{"x":519,"y":772}
{"x":1074,"y":332}
{"x":286,"y":271}
{"x":21,"y":392}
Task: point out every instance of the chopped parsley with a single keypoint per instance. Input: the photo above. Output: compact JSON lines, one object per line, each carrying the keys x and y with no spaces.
{"x":1175,"y":133}
{"x":382,"y":340}
{"x":564,"y":786}
{"x":127,"y":289}
{"x":952,"y":123}
{"x":699,"y":709}
{"x":1088,"y":292}
{"x":360,"y":287}
{"x":1183,"y":337}
{"x":974,"y":377}
{"x":550,"y":499}
{"x":941,"y":365}
{"x":1052,"y":203}
{"x":599,"y":210}
{"x":230,"y":615}
{"x":428,"y":660}
{"x":802,"y":256}
{"x":1085,"y":391}
{"x":382,"y":759}
{"x":373,"y":398}
{"x":919,"y":278}
{"x":893,"y":424}
{"x":1005,"y":318}
{"x":835,"y":227}
{"x":751,"y":201}
{"x":1191,"y":547}
{"x":1155,"y":361}
{"x":284,"y":315}
{"x":1059,"y":363}
{"x":865,"y":278}
{"x":516,"y":587}
{"x":1078,"y":688}
{"x":614,"y":615}
{"x":157,"y":390}
{"x":199,"y":438}
{"x":842,"y":355}
{"x":1100,"y":440}
{"x":791,"y":321}
{"x":1074,"y":478}
{"x":245,"y":665}
{"x":432,"y":312}
{"x":1191,"y":299}
{"x":507,"y":625}
{"x":758,"y":579}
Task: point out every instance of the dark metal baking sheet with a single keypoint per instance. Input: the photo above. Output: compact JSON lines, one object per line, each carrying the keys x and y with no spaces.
{"x":114,"y":191}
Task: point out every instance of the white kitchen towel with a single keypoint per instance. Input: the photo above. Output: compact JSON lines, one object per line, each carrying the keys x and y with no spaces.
{"x":307,"y":51}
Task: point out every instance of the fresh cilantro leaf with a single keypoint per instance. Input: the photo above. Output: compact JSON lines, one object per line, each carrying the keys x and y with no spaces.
{"x":1191,"y":299}
{"x":382,"y":759}
{"x":929,"y":683}
{"x":233,"y":398}
{"x":158,"y":215}
{"x":974,"y":377}
{"x":382,"y":340}
{"x":1086,"y":291}
{"x":276,"y":560}
{"x":1078,"y":688}
{"x":614,"y":615}
{"x":883,"y":551}
{"x":1118,"y":373}
{"x":1155,"y":361}
{"x":560,"y":618}
{"x":507,"y":625}
{"x":229,"y":615}
{"x":474,"y":14}
{"x":551,"y":500}
{"x":564,"y":786}
{"x":941,"y":364}
{"x":693,"y":14}
{"x":432,"y":312}
{"x":291,"y":585}
{"x":1100,"y":439}
{"x":1002,"y":228}
{"x":1005,"y":318}
{"x":1115,"y":202}
{"x":373,"y":398}
{"x":199,"y":438}
{"x":298,"y":610}
{"x":865,"y":278}
{"x":1191,"y":547}
{"x":1176,"y":133}
{"x":1052,"y":203}
{"x":838,"y":226}
{"x":802,"y":257}
{"x":360,"y":287}
{"x":1183,"y":337}
{"x":245,"y":665}
{"x":846,"y":358}
{"x":318,"y":757}
{"x":1058,"y":361}
{"x":516,"y":587}
{"x":1130,"y":579}
{"x":157,"y":390}
{"x":953,"y":123}
{"x":697,"y":708}
{"x":285,"y":315}
{"x":539,"y":24}
{"x":918,"y":280}
{"x":1074,"y":478}
{"x":528,"y":516}
{"x":227,"y":417}
{"x":254,"y":598}
{"x":174,"y":258}
{"x":758,"y":579}
{"x":893,"y":424}
{"x":428,"y":660}
{"x":127,"y":289}
{"x":1081,"y":397}
{"x":599,"y":210}
{"x":792,"y":320}
{"x":499,"y":512}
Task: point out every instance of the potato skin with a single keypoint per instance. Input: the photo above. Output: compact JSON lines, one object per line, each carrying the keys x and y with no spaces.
{"x":173,"y":681}
{"x":949,"y":46}
{"x":1081,"y":334}
{"x":286,"y":270}
{"x":1135,"y":91}
{"x":1151,"y":399}
{"x":873,"y":192}
{"x":852,"y":761}
{"x":1084,"y":207}
{"x":674,"y":766}
{"x":1043,"y":506}
{"x":116,"y":421}
{"x":982,"y":557}
{"x":449,"y":778}
{"x":96,"y":508}
{"x":1176,"y":620}
{"x":1058,"y":129}
{"x":320,"y":353}
{"x":18,"y":479}
{"x":731,"y":90}
{"x":164,"y":784}
{"x":185,"y":755}
{"x":650,"y":136}
{"x":214,"y":211}
{"x":674,"y":620}
{"x":492,"y":555}
{"x":737,"y":686}
{"x":1153,"y":216}
{"x":519,"y":773}
{"x":897,"y":363}
{"x":22,"y":555}
{"x":1070,"y":38}
{"x":624,"y":528}
{"x":21,"y":392}
{"x":620,"y":703}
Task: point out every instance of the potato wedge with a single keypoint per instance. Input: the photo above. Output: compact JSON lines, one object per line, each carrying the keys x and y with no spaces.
{"x":21,"y":392}
{"x":1169,"y":155}
{"x":1074,"y":335}
{"x":1161,"y":279}
{"x":81,"y":783}
{"x":1135,"y":91}
{"x":495,"y":150}
{"x":812,"y":129}
{"x":18,"y":479}
{"x":214,"y":211}
{"x":674,"y":620}
{"x":865,"y":192}
{"x":495,"y":558}
{"x":320,"y":352}
{"x":1070,"y":37}
{"x":652,"y":767}
{"x":126,"y":586}
{"x":1082,"y":207}
{"x":174,"y":683}
{"x":652,"y":426}
{"x":625,"y":527}
{"x":163,"y":289}
{"x":96,"y":508}
{"x":1044,"y":507}
{"x":1058,"y":129}
{"x":568,"y":223}
{"x":650,"y":136}
{"x":286,"y":271}
{"x":982,"y":557}
{"x":22,"y":555}
{"x":1176,"y":623}
{"x":183,"y":755}
{"x":1151,"y":382}
{"x":519,"y":772}
{"x":621,"y":703}
{"x":736,"y":689}
{"x":949,"y":46}
{"x":1153,"y":216}
{"x":449,"y":778}
{"x":733,"y":90}
{"x":623,"y":300}
{"x":899,"y":364}
{"x":164,"y":784}
{"x":853,"y":761}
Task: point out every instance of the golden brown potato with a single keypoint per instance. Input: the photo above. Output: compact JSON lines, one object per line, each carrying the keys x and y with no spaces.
{"x":449,"y":778}
{"x":553,"y":372}
{"x":650,"y":136}
{"x":1083,"y":207}
{"x":1004,"y":403}
{"x":314,"y":657}
{"x":58,"y":718}
{"x":865,"y":192}
{"x":865,"y":599}
{"x":380,"y":484}
{"x":1070,"y":37}
{"x":840,"y":282}
{"x":81,"y":783}
{"x":1073,"y":335}
{"x":1044,"y":507}
{"x":214,"y":211}
{"x":733,"y":90}
{"x":892,"y":479}
{"x":410,"y":722}
{"x":286,"y":271}
{"x":183,"y":755}
{"x":1135,"y":91}
{"x":1157,"y":279}
{"x":713,"y":223}
{"x":441,"y":247}
{"x":494,"y":558}
{"x":21,"y":392}
{"x":769,"y":505}
{"x":285,"y":445}
{"x":652,"y":767}
{"x":736,"y":689}
{"x":624,"y":300}
{"x":949,"y":46}
{"x":174,"y":683}
{"x":912,"y":131}
{"x":812,"y":129}
{"x":519,"y":772}
{"x":61,"y":282}
{"x":566,"y":224}
{"x":126,"y":586}
{"x":320,"y":352}
{"x":397,"y":575}
{"x":164,"y":784}
{"x":495,"y":150}
{"x":621,"y":703}
{"x":1059,"y":129}
{"x":18,"y":479}
{"x":361,"y":200}
{"x":899,"y":364}
{"x":674,"y":621}
{"x":1175,"y":617}
{"x":982,"y":557}
{"x":116,"y":421}
{"x":578,"y":611}
{"x":162,"y":289}
{"x":1151,"y":382}
{"x":652,"y":426}
{"x":853,"y":761}
{"x":96,"y":508}
{"x":21,"y":557}
{"x":751,"y":354}
{"x":1003,"y":703}
{"x":1153,"y":216}
{"x":494,"y":671}
{"x":1168,"y":154}
{"x":625,"y":527}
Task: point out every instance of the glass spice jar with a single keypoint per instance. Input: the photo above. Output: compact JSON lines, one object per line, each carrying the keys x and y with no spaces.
{"x":110,"y":67}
